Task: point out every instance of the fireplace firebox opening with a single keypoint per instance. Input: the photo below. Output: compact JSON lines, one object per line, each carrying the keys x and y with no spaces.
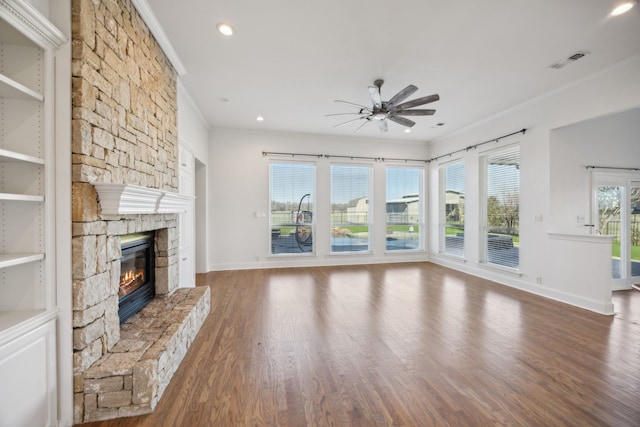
{"x":137,"y":282}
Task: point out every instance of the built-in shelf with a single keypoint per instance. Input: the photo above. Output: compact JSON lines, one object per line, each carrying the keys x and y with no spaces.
{"x":29,"y":292}
{"x":12,"y":156}
{"x":10,"y":89}
{"x":21,"y":197}
{"x":9,"y":260}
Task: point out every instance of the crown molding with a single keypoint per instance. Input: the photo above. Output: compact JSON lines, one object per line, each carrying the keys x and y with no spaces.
{"x":149,"y":18}
{"x":26,"y":19}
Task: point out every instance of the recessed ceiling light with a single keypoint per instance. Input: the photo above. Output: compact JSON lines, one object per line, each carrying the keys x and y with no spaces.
{"x":407,"y":130}
{"x":224,"y":29}
{"x":260,"y":119}
{"x":623,"y":8}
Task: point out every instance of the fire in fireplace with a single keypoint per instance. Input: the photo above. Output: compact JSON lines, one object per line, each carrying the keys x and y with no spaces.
{"x":136,"y":274}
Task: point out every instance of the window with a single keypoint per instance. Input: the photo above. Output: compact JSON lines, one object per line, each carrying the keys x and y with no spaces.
{"x":350,"y":208}
{"x":404,"y":208}
{"x":452,"y":209}
{"x":291,"y":219}
{"x":501,"y":236}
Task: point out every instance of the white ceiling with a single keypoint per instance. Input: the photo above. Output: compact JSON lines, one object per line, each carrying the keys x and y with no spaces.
{"x":290,"y":59}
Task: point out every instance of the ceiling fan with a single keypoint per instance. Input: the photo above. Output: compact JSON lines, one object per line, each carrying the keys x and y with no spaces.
{"x":392,"y":109}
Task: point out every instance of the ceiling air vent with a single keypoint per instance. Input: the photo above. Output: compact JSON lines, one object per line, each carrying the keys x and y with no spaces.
{"x":568,"y":60}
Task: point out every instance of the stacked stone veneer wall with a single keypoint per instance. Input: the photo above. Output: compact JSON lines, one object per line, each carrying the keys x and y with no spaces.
{"x":124,"y":130}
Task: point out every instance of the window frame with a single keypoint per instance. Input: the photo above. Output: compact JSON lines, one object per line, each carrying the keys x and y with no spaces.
{"x":484,"y":209}
{"x":370,"y":211}
{"x":271,"y":224}
{"x":421,"y":209}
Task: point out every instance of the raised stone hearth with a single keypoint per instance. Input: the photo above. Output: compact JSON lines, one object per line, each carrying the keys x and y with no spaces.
{"x":130,"y":378}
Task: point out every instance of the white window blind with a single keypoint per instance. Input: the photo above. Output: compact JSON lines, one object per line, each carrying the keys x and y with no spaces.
{"x":291,"y":217}
{"x":502,"y":208}
{"x":350,"y":208}
{"x":452,"y":209}
{"x":404,"y":218}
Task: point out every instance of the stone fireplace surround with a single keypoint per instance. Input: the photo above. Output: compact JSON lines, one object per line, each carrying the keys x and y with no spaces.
{"x":122,"y":370}
{"x":124,"y":133}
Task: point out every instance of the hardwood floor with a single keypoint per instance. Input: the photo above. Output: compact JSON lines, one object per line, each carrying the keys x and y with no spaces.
{"x":400,"y":344}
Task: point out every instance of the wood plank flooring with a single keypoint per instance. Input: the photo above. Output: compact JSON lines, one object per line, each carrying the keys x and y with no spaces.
{"x":400,"y":345}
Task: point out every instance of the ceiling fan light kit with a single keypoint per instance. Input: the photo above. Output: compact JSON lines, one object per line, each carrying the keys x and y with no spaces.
{"x":392,"y":109}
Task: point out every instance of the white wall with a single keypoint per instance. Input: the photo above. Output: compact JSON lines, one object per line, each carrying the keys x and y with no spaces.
{"x":193,"y":130}
{"x":552,"y":182}
{"x":239,"y":187}
{"x":611,"y":140}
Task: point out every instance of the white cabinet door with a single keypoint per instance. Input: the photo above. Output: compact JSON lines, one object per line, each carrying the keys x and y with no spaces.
{"x":28,"y":372}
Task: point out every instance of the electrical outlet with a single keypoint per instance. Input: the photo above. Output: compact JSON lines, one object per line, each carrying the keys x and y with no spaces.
{"x":537,"y":218}
{"x":580,"y":219}
{"x":539,"y":280}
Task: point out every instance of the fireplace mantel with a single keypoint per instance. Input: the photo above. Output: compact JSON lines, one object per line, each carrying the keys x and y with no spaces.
{"x":124,"y":199}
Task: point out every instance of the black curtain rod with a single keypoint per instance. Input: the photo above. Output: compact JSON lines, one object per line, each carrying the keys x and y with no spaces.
{"x":473,"y":147}
{"x":613,"y":167}
{"x":272,"y":153}
{"x":328,"y":156}
{"x":382,"y":159}
{"x":403,"y":160}
{"x":352,"y":157}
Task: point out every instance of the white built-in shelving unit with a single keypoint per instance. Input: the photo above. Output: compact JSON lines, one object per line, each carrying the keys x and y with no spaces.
{"x":28,"y":307}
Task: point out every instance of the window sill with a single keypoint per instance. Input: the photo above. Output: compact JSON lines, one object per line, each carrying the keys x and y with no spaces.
{"x":500,"y":268}
{"x":291,"y":255}
{"x":338,"y":254}
{"x":405,"y":251}
{"x":451,"y":257}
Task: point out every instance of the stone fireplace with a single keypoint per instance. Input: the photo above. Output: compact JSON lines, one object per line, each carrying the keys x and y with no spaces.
{"x":122,"y":369}
{"x":124,"y":181}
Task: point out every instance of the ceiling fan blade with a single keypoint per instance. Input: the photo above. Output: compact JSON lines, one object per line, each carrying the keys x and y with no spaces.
{"x":349,"y":121}
{"x":416,"y":102}
{"x":360,"y":127}
{"x":376,"y":100}
{"x":352,"y":103}
{"x":417,"y":112}
{"x":401,"y":96}
{"x":383,"y":125}
{"x":401,"y":121}
{"x":346,"y":114}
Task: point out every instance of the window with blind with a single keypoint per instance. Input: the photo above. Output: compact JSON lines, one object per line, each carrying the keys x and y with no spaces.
{"x":404,"y":218}
{"x":501,"y":236}
{"x":452,"y":209}
{"x":291,"y":216}
{"x":350,"y":208}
